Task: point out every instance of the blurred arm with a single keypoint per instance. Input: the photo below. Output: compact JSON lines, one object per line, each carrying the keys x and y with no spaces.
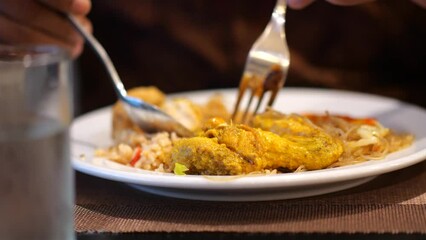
{"x":299,"y":4}
{"x":38,"y":22}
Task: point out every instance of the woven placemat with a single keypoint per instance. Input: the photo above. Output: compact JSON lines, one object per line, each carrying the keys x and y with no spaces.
{"x":391,"y":203}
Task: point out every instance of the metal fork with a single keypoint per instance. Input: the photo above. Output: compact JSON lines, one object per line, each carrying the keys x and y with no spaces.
{"x":266,"y":65}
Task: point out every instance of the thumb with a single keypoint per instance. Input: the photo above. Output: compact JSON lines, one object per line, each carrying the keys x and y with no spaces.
{"x":299,"y":4}
{"x":76,"y":7}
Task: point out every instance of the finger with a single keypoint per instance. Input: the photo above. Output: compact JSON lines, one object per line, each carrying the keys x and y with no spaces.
{"x":86,"y":23}
{"x":77,"y":7}
{"x":41,"y":18}
{"x":348,"y":2}
{"x":299,"y":4}
{"x":421,"y":3}
{"x":12,"y":32}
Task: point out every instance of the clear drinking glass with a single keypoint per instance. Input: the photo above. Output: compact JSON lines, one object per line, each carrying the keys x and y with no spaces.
{"x":36,"y":178}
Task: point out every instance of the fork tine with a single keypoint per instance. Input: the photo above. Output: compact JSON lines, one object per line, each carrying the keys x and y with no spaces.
{"x":273,"y":82}
{"x":242,"y":89}
{"x":244,"y":118}
{"x":247,"y":82}
{"x":258,"y":103}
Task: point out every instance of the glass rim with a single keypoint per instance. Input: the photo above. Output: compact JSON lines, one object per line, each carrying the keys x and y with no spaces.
{"x":32,"y":55}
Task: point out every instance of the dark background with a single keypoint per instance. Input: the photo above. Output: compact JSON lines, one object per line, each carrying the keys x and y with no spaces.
{"x":181,"y":45}
{"x":379,"y":47}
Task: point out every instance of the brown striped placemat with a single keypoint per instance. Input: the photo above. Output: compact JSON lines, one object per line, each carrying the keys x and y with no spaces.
{"x":391,"y":203}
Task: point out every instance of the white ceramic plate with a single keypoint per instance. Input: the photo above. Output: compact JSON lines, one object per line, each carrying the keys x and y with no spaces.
{"x":93,"y":130}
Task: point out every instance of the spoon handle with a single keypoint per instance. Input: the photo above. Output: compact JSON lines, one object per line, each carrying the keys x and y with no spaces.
{"x":103,"y":55}
{"x":146,"y":116}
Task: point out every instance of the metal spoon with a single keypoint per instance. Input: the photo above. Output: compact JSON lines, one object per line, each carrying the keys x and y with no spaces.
{"x":148,"y":117}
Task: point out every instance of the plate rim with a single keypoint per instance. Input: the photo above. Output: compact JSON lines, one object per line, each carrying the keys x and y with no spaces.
{"x":249,"y":182}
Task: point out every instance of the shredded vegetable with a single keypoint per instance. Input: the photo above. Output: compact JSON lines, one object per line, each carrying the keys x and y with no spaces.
{"x":180,"y":169}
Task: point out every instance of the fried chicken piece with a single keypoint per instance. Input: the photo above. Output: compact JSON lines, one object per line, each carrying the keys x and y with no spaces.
{"x":240,"y":149}
{"x":122,"y":126}
{"x":207,"y":157}
{"x":286,"y":124}
{"x":185,"y":111}
{"x":188,"y":113}
{"x":215,"y":108}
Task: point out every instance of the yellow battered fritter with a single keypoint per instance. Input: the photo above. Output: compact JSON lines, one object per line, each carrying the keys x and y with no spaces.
{"x":275,"y":141}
